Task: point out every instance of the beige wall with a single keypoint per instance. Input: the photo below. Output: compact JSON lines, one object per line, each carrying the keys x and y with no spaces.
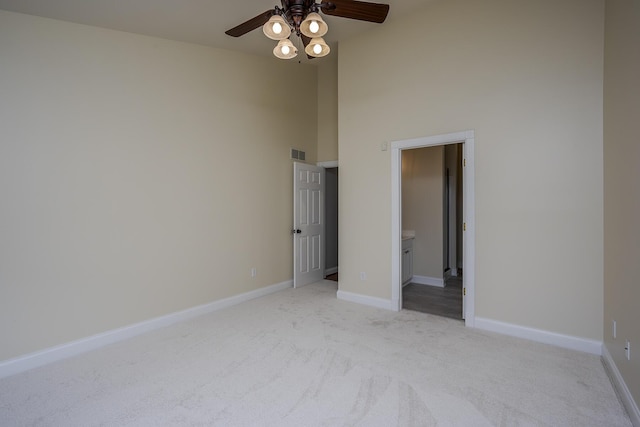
{"x":621,"y":195}
{"x":328,"y":108}
{"x":527,"y":77}
{"x":138,"y":177}
{"x":422,"y":208}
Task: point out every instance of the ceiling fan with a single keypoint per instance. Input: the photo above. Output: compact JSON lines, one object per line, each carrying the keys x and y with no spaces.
{"x":302,"y":18}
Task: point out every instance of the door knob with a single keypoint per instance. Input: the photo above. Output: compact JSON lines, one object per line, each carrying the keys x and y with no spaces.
{"x":296,"y":231}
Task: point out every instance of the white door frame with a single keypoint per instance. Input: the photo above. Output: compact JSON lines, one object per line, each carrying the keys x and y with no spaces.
{"x":328,"y":164}
{"x":468,"y":214}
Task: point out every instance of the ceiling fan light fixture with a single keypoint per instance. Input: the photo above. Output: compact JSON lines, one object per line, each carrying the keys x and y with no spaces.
{"x":276,"y":28}
{"x":302,"y":18}
{"x":317,"y":47}
{"x":314,"y":26}
{"x":285,"y":50}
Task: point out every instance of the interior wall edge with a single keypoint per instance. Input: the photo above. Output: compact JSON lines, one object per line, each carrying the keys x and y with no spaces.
{"x":385,"y":304}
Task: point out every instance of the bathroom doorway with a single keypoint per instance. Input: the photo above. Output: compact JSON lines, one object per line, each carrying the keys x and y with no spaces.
{"x":432,"y":196}
{"x":467,"y":247}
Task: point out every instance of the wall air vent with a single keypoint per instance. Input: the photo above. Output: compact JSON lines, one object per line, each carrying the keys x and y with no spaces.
{"x":297,"y":154}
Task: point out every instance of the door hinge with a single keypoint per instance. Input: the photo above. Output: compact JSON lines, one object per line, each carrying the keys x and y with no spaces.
{"x":464,"y":162}
{"x":464,"y":292}
{"x":464,"y":226}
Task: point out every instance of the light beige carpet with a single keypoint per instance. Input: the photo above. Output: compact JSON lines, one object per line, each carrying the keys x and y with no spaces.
{"x":301,"y":357}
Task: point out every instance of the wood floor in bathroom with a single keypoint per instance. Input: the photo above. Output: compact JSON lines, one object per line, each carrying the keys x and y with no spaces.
{"x":445,"y":301}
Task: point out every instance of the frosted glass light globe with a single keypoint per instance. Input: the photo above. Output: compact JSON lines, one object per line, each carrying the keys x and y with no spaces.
{"x":317,"y":49}
{"x":277,"y":28}
{"x":285,"y":50}
{"x":314,"y":27}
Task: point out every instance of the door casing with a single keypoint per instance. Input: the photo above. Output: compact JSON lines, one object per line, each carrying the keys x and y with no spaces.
{"x":468,"y":235}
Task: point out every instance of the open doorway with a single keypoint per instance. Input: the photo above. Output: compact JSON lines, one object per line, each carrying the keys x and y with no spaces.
{"x":331,"y":223}
{"x":467,"y":139}
{"x":431,"y":200}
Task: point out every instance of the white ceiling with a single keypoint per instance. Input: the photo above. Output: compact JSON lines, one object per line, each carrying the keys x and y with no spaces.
{"x":193,"y":21}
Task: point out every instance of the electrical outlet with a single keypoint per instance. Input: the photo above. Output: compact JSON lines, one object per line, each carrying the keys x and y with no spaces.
{"x":627,"y":350}
{"x":363,"y":275}
{"x":253,"y":272}
{"x":614,"y":329}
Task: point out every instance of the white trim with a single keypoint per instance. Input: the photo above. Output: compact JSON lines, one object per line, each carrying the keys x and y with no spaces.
{"x":539,"y":335}
{"x":74,"y":348}
{"x":329,"y":164}
{"x":621,"y":387}
{"x":426,"y":280}
{"x":367,"y":300}
{"x":396,"y":225}
{"x":468,"y":237}
{"x":429,"y":141}
{"x":329,"y":271}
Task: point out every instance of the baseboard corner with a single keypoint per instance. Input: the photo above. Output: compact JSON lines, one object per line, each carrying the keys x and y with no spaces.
{"x":620,"y":386}
{"x":368,"y":300}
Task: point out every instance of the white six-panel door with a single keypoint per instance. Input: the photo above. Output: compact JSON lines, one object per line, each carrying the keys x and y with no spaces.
{"x":308,"y":224}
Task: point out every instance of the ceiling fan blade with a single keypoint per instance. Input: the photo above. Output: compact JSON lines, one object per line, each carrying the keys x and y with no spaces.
{"x":361,"y":10}
{"x":251,"y":24}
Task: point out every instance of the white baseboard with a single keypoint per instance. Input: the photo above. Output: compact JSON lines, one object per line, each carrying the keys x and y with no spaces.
{"x":73,"y":348}
{"x":621,"y":387}
{"x":426,"y":280}
{"x":330,"y":271}
{"x":367,"y":300}
{"x":539,"y":335}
